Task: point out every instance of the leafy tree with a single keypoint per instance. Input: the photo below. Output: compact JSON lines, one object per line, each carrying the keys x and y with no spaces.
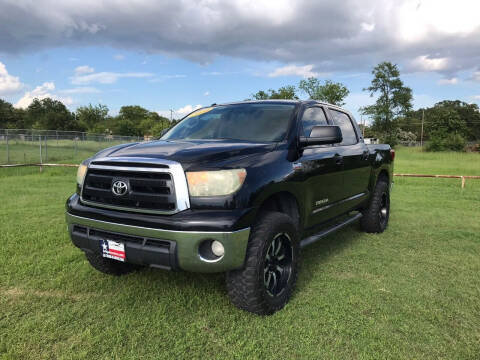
{"x":10,"y":116}
{"x":285,"y":92}
{"x":394,"y":99}
{"x":470,"y":113}
{"x":135,"y":120}
{"x":133,"y":113}
{"x":445,"y":120}
{"x":446,"y":128}
{"x":330,"y":92}
{"x":93,"y":117}
{"x":51,"y":114}
{"x":125,"y":127}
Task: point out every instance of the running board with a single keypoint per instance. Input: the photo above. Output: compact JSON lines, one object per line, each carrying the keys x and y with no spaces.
{"x":314,"y":238}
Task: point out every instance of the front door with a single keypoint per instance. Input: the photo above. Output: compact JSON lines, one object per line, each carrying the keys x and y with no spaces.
{"x":321,"y":168}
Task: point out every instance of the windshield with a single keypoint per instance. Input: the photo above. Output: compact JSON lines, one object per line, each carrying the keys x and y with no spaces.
{"x":262,"y":122}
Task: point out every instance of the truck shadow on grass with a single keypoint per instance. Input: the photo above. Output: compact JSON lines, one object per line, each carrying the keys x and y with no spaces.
{"x":196,"y":287}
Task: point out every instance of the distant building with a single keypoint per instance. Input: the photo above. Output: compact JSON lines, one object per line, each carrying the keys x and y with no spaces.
{"x":371,"y":141}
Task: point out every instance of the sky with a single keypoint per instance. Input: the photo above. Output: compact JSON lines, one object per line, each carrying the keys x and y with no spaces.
{"x":184,"y":54}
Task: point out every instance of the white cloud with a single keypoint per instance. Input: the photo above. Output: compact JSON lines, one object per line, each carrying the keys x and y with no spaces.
{"x":212,"y":73}
{"x":106,"y":77}
{"x":119,"y":57}
{"x":166,"y":77}
{"x":294,"y":70}
{"x":476,"y":76}
{"x":476,"y":97}
{"x":84,"y":69}
{"x":41,"y":92}
{"x":8,"y":84}
{"x":367,"y":27}
{"x":206,"y":93}
{"x":451,"y":81}
{"x":81,"y":90}
{"x":427,"y":63}
{"x":180,"y":112}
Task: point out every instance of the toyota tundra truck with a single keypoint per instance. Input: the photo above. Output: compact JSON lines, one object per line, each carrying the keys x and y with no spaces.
{"x":238,"y":188}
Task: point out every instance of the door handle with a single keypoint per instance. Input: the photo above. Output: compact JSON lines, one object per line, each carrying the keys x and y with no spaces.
{"x":365,"y":155}
{"x":338,"y":159}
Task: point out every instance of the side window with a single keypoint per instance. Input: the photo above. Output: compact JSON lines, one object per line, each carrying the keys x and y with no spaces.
{"x":348,"y":132}
{"x":313,"y":116}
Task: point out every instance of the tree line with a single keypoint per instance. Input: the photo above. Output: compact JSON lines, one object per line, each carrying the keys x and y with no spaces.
{"x":448,"y":124}
{"x":51,"y":114}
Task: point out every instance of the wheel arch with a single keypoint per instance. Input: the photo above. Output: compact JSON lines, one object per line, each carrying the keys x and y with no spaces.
{"x":284,"y":202}
{"x":383,"y":174}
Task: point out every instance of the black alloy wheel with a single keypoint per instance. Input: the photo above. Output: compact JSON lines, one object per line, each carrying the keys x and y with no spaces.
{"x":278,"y":264}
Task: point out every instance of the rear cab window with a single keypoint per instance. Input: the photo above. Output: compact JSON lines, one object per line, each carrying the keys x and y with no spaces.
{"x":342,"y":120}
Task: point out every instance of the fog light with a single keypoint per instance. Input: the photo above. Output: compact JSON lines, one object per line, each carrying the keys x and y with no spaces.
{"x":217,"y":248}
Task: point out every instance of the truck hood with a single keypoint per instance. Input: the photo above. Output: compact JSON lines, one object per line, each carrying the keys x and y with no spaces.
{"x":191,"y":151}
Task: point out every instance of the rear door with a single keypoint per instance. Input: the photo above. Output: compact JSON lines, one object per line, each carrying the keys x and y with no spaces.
{"x":321,"y":171}
{"x":356,"y":166}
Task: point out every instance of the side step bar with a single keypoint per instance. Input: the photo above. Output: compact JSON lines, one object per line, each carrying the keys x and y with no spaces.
{"x":314,"y":238}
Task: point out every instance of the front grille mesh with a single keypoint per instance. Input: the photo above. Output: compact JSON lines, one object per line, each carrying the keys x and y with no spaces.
{"x":147,"y":190}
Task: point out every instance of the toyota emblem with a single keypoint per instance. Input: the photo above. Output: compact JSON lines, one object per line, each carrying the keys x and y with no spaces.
{"x":119,"y":188}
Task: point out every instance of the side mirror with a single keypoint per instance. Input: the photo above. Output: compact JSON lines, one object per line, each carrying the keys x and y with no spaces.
{"x":322,"y":135}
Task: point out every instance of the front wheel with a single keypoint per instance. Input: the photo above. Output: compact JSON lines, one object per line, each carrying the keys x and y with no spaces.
{"x":375,"y":217}
{"x":268,"y":278}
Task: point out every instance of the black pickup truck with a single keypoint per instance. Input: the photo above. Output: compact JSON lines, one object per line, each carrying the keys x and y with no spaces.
{"x":237,"y":188}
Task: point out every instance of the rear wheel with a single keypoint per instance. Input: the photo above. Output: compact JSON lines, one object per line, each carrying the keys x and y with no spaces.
{"x":375,"y":217}
{"x":267,"y":281}
{"x":109,"y":266}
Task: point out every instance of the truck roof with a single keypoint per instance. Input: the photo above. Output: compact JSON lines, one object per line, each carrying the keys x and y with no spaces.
{"x":282,"y":101}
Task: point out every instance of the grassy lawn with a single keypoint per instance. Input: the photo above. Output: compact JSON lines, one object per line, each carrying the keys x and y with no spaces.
{"x":412,"y":292}
{"x":412,"y":160}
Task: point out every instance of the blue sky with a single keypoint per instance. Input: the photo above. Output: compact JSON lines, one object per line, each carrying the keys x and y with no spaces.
{"x":84,"y":58}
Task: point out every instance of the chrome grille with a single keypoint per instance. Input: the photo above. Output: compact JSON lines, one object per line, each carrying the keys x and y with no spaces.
{"x":154,"y":186}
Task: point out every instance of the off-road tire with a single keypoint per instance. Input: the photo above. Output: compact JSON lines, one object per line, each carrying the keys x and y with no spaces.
{"x":109,"y":266}
{"x":375,"y":217}
{"x":247,"y":287}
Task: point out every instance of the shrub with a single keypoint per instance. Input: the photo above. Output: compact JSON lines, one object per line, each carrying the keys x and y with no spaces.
{"x":441,"y":141}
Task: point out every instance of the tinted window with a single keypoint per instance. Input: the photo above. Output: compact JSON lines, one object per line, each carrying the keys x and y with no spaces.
{"x":244,"y":122}
{"x":341,"y":119}
{"x":313,"y":116}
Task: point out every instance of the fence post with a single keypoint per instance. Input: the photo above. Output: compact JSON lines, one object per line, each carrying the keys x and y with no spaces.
{"x":8,"y":152}
{"x":40,"y":143}
{"x":46,"y":149}
{"x":75,"y":147}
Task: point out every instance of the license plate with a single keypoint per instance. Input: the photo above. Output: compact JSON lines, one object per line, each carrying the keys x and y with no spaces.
{"x":113,"y":249}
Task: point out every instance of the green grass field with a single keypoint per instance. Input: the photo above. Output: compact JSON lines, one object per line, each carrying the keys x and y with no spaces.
{"x":413,"y":160}
{"x":412,"y":292}
{"x":61,"y":151}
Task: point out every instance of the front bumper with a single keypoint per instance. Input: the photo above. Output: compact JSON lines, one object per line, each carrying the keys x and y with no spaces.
{"x":169,"y":249}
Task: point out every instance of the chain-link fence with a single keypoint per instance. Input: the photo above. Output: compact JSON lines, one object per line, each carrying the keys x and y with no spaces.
{"x":26,"y":146}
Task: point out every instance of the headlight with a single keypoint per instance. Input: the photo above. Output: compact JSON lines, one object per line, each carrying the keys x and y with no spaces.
{"x":82,"y":170}
{"x":215,"y":183}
